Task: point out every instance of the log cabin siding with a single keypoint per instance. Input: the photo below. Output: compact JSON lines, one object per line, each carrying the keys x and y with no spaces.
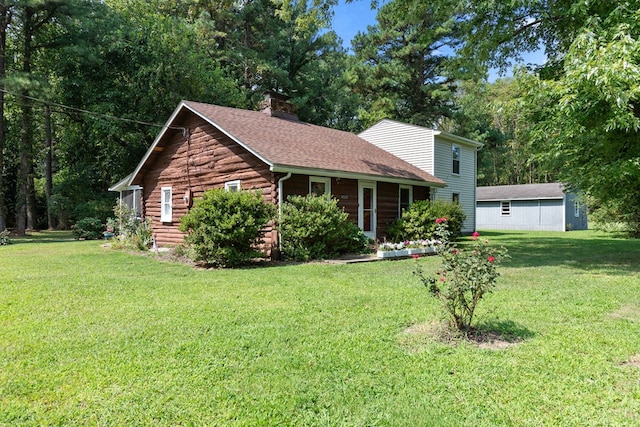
{"x":346,"y":191}
{"x":387,"y":206}
{"x":205,"y":160}
{"x":421,"y":193}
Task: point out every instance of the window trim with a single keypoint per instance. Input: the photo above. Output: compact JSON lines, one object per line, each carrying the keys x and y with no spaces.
{"x":233,"y":186}
{"x":456,"y":162}
{"x":166,"y":202}
{"x":404,"y":187}
{"x":507,"y":211}
{"x":325,"y":180}
{"x":576,"y":208}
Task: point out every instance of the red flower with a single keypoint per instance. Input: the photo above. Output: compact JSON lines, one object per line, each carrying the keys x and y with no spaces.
{"x":415,"y":256}
{"x":439,"y":221}
{"x":491,"y":258}
{"x":475,"y":235}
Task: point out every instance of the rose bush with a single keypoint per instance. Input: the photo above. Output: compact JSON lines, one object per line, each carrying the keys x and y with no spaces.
{"x":464,"y":276}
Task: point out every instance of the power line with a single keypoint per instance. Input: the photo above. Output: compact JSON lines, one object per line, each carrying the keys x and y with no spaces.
{"x":91,"y":113}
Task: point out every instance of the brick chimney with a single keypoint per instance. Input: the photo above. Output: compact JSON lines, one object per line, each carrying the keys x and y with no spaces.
{"x":278,"y":105}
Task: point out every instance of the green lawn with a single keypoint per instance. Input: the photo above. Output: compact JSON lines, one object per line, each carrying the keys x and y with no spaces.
{"x":92,"y":336}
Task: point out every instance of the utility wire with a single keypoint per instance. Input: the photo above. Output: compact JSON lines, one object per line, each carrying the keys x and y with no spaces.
{"x":91,"y":113}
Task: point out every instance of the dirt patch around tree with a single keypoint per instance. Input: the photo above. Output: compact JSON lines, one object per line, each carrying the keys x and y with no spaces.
{"x":420,"y":335}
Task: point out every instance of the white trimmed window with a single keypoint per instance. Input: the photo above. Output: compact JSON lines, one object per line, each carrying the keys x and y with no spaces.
{"x":405,"y":198}
{"x":232,"y":186}
{"x":505,"y":208}
{"x":319,"y":186}
{"x":455,"y":153}
{"x":166,"y":212}
{"x":576,"y":209}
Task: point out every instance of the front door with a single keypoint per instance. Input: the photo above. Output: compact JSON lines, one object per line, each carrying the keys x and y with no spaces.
{"x":367,"y":208}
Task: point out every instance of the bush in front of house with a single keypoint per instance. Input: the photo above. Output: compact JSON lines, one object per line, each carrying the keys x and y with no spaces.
{"x":418,"y":222}
{"x":88,"y":229}
{"x":225,"y":228}
{"x":313,"y":227}
{"x":132,"y":231}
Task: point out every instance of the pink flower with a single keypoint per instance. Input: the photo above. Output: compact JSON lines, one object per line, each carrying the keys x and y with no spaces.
{"x":491,"y":258}
{"x":475,"y":235}
{"x":415,"y":256}
{"x":442,"y":279}
{"x":439,"y":221}
{"x":455,"y":252}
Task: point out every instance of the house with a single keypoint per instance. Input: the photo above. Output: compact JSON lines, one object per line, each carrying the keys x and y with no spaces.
{"x":205,"y":146}
{"x":449,"y":157}
{"x":544,"y":207}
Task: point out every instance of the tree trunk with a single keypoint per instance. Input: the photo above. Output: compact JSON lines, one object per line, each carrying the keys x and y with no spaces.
{"x":24,"y":200}
{"x":5,"y":19}
{"x":49,"y":167}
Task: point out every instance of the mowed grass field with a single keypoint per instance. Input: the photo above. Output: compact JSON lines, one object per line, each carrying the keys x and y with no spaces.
{"x":95,"y":337}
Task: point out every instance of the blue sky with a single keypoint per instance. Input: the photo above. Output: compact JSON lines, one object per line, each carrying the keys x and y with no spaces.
{"x":351,"y":18}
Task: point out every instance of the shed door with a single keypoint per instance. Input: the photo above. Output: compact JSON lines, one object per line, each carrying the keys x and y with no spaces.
{"x":367,"y":208}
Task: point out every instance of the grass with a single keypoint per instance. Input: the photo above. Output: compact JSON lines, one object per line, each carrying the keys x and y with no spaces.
{"x":91,"y":336}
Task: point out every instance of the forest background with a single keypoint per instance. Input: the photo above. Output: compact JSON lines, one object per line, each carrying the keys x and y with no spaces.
{"x":85,"y":86}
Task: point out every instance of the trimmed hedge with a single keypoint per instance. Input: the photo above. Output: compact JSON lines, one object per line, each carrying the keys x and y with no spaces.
{"x":313,"y":227}
{"x":225,"y":228}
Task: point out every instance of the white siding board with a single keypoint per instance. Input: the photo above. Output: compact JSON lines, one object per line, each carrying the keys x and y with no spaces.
{"x":413,"y":144}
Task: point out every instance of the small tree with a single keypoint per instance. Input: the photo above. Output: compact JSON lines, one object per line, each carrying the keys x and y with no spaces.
{"x":313,"y":227}
{"x":225,"y":228}
{"x":464,"y":277}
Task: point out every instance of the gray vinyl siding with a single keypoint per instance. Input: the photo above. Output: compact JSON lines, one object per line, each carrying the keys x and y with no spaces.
{"x":574,"y":222}
{"x":541,"y":215}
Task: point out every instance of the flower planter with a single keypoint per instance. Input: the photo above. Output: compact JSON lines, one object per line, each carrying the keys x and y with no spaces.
{"x":405,"y":252}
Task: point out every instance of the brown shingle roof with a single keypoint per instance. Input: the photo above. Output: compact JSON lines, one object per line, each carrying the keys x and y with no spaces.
{"x":294,"y":144}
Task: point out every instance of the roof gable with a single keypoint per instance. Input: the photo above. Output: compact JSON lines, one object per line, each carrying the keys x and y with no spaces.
{"x":434,"y":133}
{"x":291,"y":145}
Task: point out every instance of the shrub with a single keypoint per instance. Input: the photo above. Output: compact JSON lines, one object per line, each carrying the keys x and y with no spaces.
{"x":313,"y":227}
{"x":4,"y":237}
{"x":132,"y":231}
{"x":464,"y":276}
{"x":419,"y":221}
{"x":88,"y":228}
{"x":224,"y":228}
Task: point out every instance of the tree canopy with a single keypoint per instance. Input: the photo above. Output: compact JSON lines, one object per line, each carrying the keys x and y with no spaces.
{"x":84,"y":85}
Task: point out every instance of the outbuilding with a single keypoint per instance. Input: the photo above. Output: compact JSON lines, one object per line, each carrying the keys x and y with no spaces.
{"x":543,"y":207}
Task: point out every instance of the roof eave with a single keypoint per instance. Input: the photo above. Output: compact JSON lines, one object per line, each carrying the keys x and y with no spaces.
{"x":354,"y":175}
{"x":459,"y":139}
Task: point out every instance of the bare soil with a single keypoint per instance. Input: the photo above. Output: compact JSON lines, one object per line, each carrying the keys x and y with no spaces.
{"x":419,"y":335}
